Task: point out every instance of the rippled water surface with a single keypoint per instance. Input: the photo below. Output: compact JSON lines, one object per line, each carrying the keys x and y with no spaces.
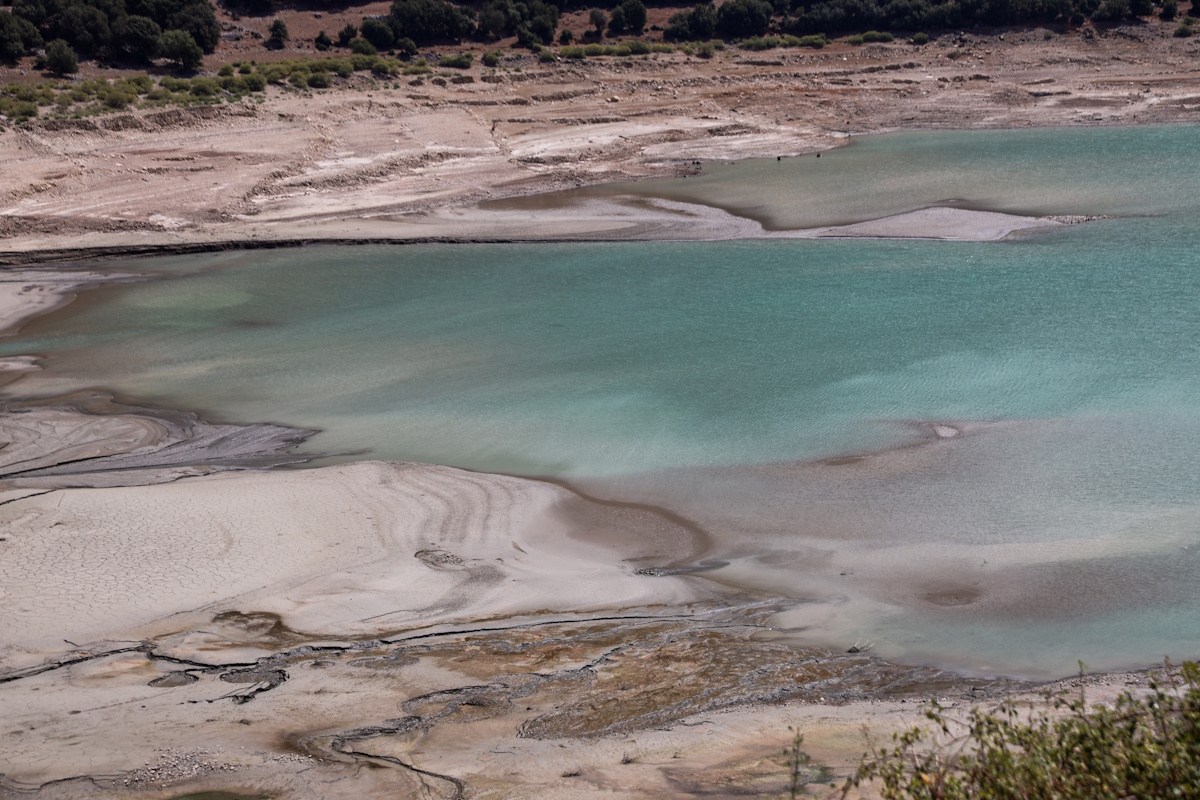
{"x":720,"y":379}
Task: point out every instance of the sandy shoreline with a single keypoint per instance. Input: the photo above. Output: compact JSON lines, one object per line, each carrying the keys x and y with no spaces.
{"x":432,"y":623}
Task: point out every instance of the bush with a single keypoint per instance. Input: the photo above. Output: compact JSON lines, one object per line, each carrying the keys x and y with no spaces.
{"x":60,"y":58}
{"x":639,"y":48}
{"x":491,"y":58}
{"x":566,"y":37}
{"x":705,"y":50}
{"x":573,"y":53}
{"x":1145,"y":747}
{"x":1184,"y":31}
{"x":319,"y":80}
{"x":322,"y":42}
{"x":205,"y":87}
{"x":877,"y":36}
{"x":361,"y":47}
{"x":1169,"y":9}
{"x":347,"y":35}
{"x":460,"y":61}
{"x":920,"y":38}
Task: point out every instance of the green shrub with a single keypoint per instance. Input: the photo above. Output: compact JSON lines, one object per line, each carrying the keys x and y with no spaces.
{"x":491,"y":58}
{"x":855,"y":39}
{"x":1184,"y":31}
{"x":573,"y":53}
{"x":546,"y":56}
{"x":319,"y":80}
{"x":660,"y":47}
{"x":638,"y":48}
{"x":322,"y":41}
{"x":759,"y":43}
{"x":877,"y":36}
{"x":459,"y":61}
{"x":705,"y":50}
{"x":254,"y":82}
{"x":1139,"y":747}
{"x":593,"y":50}
{"x":361,"y":47}
{"x":920,"y":38}
{"x":205,"y":87}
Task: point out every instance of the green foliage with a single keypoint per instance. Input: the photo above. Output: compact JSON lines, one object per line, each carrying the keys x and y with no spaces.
{"x":533,"y":22}
{"x":459,"y":61}
{"x":136,"y":37}
{"x":738,"y":19}
{"x":705,"y":50}
{"x":322,"y":41}
{"x":877,"y":36}
{"x":1184,"y":31}
{"x":598,"y":20}
{"x":347,"y":35}
{"x":1140,"y":747}
{"x":635,"y":15}
{"x":429,"y":21}
{"x":319,"y":80}
{"x":1169,"y":9}
{"x":361,"y":47}
{"x":180,"y":47}
{"x":17,"y":37}
{"x":920,"y":38}
{"x":378,"y":33}
{"x":279,"y":35}
{"x":566,"y":37}
{"x":698,"y":24}
{"x":491,"y":58}
{"x":60,"y":58}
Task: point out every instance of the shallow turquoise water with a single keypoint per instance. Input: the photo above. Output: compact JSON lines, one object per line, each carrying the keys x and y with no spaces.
{"x":674,"y":372}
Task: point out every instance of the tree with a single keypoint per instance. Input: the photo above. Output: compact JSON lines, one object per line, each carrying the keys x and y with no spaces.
{"x":346,"y":35}
{"x":378,"y":33}
{"x":699,"y":24}
{"x":635,"y":15}
{"x":17,"y":37}
{"x":180,"y":47}
{"x":137,"y":37}
{"x":198,"y":20}
{"x":738,"y":19}
{"x":429,"y":20}
{"x":1169,"y":9}
{"x":598,"y":19}
{"x":279,"y":34}
{"x":60,"y":58}
{"x":616,"y":23}
{"x":323,"y":42}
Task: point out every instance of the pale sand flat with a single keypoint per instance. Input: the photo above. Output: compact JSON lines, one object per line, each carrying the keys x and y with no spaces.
{"x":349,"y":550}
{"x":951,"y":224}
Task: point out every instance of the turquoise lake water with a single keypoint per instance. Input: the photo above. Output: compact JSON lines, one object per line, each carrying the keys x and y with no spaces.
{"x":713,"y":377}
